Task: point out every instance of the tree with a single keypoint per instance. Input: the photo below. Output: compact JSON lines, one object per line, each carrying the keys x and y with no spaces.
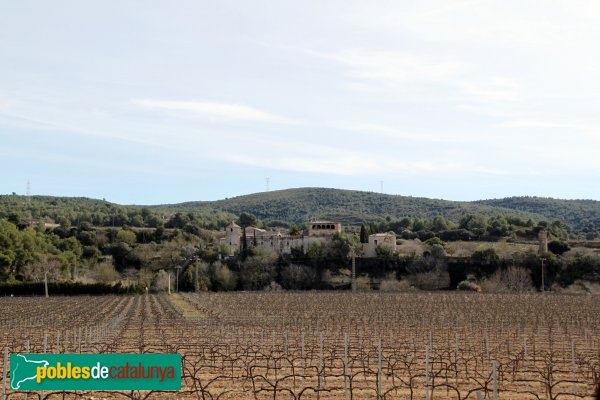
{"x":246,"y":219}
{"x":364,"y":235}
{"x":259,"y":270}
{"x":126,"y":236}
{"x":298,"y":277}
{"x":474,"y":223}
{"x":439,"y":223}
{"x":224,"y":278}
{"x":45,"y":265}
{"x":487,"y":260}
{"x":498,"y":226}
{"x":558,"y":247}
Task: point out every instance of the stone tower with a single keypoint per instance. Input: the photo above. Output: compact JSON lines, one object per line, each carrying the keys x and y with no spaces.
{"x":543,"y":239}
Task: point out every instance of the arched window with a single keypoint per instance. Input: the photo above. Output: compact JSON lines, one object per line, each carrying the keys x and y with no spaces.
{"x":314,"y":227}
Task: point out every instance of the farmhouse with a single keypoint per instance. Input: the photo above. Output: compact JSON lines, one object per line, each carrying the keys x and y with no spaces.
{"x":386,"y":240}
{"x":283,"y":243}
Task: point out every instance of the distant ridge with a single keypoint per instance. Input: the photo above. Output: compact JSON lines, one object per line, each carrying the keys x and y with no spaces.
{"x":355,"y":207}
{"x":350,"y":207}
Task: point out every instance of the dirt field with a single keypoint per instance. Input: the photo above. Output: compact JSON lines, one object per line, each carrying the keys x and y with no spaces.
{"x":329,"y":345}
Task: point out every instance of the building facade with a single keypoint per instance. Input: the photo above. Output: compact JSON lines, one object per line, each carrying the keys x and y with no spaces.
{"x":387,"y":240}
{"x":282,"y":243}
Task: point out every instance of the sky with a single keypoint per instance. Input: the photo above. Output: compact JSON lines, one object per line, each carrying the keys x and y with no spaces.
{"x":150,"y":102}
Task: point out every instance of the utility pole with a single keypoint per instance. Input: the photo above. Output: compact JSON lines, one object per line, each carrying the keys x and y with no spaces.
{"x":543,"y":259}
{"x":353,"y":271}
{"x":177,"y":279}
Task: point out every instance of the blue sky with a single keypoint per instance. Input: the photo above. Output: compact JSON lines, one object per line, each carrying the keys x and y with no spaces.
{"x":169,"y":101}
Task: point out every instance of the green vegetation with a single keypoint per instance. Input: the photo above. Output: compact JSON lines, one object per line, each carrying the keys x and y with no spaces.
{"x":580,"y":215}
{"x":83,"y":241}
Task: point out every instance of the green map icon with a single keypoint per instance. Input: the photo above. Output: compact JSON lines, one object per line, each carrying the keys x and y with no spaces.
{"x":23,"y":369}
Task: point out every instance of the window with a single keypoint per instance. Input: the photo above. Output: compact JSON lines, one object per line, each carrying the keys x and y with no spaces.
{"x":375,"y":242}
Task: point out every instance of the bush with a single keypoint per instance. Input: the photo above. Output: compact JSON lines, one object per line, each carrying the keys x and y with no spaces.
{"x":469,"y":286}
{"x":298,"y":277}
{"x":273,"y":287}
{"x":435,"y":240}
{"x":558,"y":247}
{"x":224,"y":278}
{"x":512,"y":279}
{"x":67,"y":288}
{"x":161,"y":281}
{"x":432,"y":280}
{"x":394,"y":285}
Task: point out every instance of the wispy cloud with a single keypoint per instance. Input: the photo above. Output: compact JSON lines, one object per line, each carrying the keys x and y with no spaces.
{"x":532,"y":123}
{"x":394,"y":70}
{"x":497,"y":89}
{"x":398,"y":133}
{"x":213,"y":111}
{"x":395,"y":67}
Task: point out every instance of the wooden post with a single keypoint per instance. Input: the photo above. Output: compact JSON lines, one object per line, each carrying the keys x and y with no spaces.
{"x":495,"y":379}
{"x":321,"y":365}
{"x":4,"y":373}
{"x":303,"y":363}
{"x":574,"y":369}
{"x":46,"y":283}
{"x":345,"y":366}
{"x":379,"y":374}
{"x":26,"y":351}
{"x":427,"y":395}
{"x":525,"y":355}
{"x":353,"y":272}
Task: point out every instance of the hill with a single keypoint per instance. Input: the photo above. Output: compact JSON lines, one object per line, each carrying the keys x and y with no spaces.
{"x":582,"y":215}
{"x":347,"y":206}
{"x":296,"y":206}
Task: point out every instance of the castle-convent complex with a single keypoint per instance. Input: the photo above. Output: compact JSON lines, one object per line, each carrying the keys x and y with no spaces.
{"x":317,"y":232}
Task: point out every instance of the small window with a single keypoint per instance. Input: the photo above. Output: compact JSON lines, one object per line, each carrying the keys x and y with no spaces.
{"x":375,"y":242}
{"x":314,"y":227}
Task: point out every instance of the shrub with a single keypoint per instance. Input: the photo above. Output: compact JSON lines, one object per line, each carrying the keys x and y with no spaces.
{"x":558,"y":247}
{"x":394,"y":285}
{"x":298,"y":277}
{"x":469,"y":286}
{"x":512,"y":279}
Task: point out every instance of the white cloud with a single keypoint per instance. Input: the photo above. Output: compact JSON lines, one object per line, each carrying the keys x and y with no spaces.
{"x":535,"y":124}
{"x":494,"y":90}
{"x":214,"y":111}
{"x":398,"y":133}
{"x":396,"y":70}
{"x":395,"y":67}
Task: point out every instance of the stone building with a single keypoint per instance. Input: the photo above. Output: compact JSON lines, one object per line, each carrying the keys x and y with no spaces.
{"x":387,"y":239}
{"x":283,"y":243}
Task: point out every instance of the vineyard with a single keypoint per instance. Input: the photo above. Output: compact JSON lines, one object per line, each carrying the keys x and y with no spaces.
{"x":326,"y":345}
